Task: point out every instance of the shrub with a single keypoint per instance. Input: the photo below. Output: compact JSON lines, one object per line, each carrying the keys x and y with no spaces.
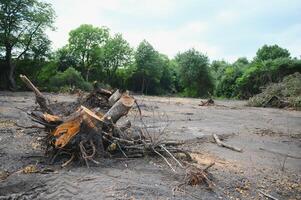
{"x":70,"y":78}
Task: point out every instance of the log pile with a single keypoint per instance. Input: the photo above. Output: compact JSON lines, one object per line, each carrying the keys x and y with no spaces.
{"x":89,"y":132}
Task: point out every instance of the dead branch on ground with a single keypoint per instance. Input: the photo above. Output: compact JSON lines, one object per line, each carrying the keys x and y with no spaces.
{"x":222,"y":144}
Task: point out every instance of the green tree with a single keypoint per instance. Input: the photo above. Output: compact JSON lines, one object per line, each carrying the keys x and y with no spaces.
{"x":271,"y":52}
{"x":148,"y":71}
{"x":22,"y":26}
{"x":65,"y":59}
{"x":168,"y":79}
{"x":194,"y":73}
{"x":85,"y":43}
{"x":116,"y":53}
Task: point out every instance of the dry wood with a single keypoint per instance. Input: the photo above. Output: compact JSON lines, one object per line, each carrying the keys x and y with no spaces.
{"x":209,"y":102}
{"x":86,"y":134}
{"x":268,"y":195}
{"x":120,"y":108}
{"x":222,"y":144}
{"x":172,"y":156}
{"x":281,"y":154}
{"x":67,"y":130}
{"x":115,"y":97}
{"x":40,"y":99}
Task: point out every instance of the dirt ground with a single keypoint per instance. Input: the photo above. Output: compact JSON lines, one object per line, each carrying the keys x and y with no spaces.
{"x":236,"y":175}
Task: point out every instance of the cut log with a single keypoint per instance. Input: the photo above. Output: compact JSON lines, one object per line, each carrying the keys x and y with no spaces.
{"x":104,"y":92}
{"x":115,"y":97}
{"x":120,"y":108}
{"x":67,"y":130}
{"x":40,"y":99}
{"x":222,"y":144}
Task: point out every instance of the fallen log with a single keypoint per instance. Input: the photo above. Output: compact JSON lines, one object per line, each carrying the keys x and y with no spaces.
{"x":222,"y":144}
{"x":115,"y":97}
{"x":120,"y":108}
{"x":40,"y":99}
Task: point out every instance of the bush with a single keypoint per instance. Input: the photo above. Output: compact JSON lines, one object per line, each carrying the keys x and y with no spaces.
{"x":47,"y":71}
{"x":283,"y":94}
{"x":261,"y":73}
{"x":71,"y":79}
{"x":226,"y":86}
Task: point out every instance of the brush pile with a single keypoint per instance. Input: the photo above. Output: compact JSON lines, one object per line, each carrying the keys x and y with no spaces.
{"x":86,"y":131}
{"x":285,"y":94}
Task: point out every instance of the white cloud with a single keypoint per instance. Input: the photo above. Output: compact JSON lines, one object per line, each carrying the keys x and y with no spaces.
{"x":173,"y":25}
{"x":153,"y":8}
{"x":170,"y":42}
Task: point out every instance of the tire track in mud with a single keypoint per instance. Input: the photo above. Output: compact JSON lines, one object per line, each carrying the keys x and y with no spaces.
{"x":61,"y":186}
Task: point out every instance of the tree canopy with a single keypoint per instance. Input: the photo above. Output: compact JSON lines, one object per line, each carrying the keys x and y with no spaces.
{"x":22,"y":26}
{"x":94,"y":54}
{"x":271,"y":52}
{"x":194,"y":70}
{"x":85,"y":44}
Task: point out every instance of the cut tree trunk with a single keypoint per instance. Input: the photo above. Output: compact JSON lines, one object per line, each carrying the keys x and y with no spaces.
{"x":40,"y":99}
{"x":67,"y":130}
{"x":120,"y":108}
{"x":114,"y":97}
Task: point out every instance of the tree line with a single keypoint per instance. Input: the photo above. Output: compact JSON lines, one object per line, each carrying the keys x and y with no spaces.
{"x":95,"y":56}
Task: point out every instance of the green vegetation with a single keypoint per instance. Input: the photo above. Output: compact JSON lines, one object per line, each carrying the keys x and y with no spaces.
{"x":22,"y":26}
{"x":194,"y":73}
{"x":94,"y":54}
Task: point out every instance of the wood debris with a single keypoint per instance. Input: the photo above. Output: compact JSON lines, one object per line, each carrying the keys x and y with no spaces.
{"x":88,"y":132}
{"x":222,"y":144}
{"x":209,"y":102}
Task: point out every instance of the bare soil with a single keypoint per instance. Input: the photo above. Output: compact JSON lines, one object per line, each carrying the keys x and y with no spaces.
{"x":236,"y":175}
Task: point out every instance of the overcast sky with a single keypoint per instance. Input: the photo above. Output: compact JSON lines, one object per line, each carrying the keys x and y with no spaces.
{"x":222,"y":29}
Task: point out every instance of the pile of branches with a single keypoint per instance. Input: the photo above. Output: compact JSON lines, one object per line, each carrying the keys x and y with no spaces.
{"x":91,"y":132}
{"x":285,"y":94}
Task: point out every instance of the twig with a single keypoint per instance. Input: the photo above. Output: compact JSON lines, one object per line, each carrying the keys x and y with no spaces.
{"x":139,"y":110}
{"x":164,"y":159}
{"x":267,"y":195}
{"x":210,"y":165}
{"x":68,"y":161}
{"x":171,"y":156}
{"x":121,"y":150}
{"x":222,"y":144}
{"x":279,"y":153}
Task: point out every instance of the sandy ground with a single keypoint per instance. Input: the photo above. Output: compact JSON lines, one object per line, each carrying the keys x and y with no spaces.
{"x":236,"y":175}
